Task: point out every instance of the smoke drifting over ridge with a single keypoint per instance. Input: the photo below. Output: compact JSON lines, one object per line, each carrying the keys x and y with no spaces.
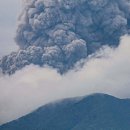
{"x":59,"y":33}
{"x":34,"y":86}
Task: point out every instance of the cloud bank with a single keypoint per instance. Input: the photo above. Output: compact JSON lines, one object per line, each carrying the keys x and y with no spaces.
{"x":59,"y":33}
{"x":33,"y":86}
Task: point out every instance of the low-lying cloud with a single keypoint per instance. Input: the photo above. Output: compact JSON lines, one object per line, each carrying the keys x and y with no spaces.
{"x":33,"y":86}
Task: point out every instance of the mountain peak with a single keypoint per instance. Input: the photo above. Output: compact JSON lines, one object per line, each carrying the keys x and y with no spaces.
{"x":97,"y":111}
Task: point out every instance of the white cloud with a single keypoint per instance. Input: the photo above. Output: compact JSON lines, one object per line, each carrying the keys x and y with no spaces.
{"x":33,"y":86}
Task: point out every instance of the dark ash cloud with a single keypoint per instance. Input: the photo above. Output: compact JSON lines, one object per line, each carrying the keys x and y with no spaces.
{"x":59,"y":33}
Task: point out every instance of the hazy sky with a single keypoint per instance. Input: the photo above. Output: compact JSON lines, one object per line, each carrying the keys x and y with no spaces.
{"x":9,"y":11}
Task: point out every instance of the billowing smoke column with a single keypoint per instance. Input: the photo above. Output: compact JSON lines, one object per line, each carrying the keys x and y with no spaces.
{"x":59,"y":33}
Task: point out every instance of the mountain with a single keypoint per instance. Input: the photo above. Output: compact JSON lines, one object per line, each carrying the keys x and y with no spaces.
{"x":94,"y":112}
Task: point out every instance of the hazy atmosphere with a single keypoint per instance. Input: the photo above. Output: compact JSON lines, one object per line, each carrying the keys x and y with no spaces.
{"x":9,"y":11}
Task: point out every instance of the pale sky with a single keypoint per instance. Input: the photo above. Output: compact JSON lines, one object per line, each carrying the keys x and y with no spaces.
{"x":9,"y":11}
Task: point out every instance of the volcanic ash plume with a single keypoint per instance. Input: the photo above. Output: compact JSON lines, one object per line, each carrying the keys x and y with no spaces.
{"x":59,"y":33}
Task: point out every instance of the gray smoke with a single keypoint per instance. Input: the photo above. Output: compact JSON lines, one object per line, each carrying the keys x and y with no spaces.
{"x":59,"y":33}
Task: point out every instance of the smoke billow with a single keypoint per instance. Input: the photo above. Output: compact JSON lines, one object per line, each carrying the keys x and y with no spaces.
{"x":59,"y":33}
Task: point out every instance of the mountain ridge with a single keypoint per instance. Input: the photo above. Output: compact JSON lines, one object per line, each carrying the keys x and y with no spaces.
{"x":97,"y":111}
